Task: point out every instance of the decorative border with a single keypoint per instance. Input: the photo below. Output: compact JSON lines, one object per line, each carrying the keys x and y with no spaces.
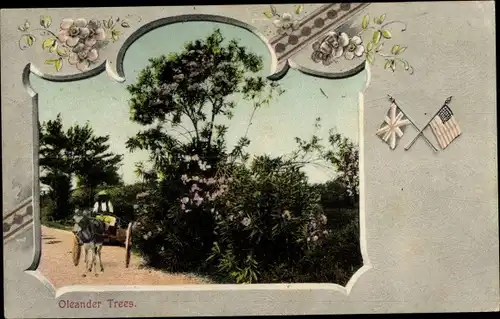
{"x":322,"y":74}
{"x":390,"y":290}
{"x":35,"y":221}
{"x":281,"y":61}
{"x":183,"y":18}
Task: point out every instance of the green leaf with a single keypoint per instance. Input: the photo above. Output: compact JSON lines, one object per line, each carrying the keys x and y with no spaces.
{"x":393,"y":65}
{"x":125,"y":24}
{"x":376,"y":37}
{"x":386,"y":34}
{"x":268,"y":14}
{"x":387,"y":64}
{"x":400,"y":50}
{"x":395,"y":49}
{"x":45,"y":21}
{"x":51,"y":61}
{"x":365,"y":22}
{"x":381,"y":19}
{"x":369,"y":47}
{"x":29,"y":39}
{"x":379,"y":47}
{"x":115,"y":34}
{"x":59,"y":64}
{"x":299,"y":8}
{"x":370,"y":57}
{"x":48,"y":43}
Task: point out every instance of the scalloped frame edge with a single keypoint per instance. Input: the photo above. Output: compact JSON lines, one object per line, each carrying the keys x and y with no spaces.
{"x":120,"y":77}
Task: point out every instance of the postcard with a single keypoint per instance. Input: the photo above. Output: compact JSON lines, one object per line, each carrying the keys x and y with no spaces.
{"x":271,"y":159}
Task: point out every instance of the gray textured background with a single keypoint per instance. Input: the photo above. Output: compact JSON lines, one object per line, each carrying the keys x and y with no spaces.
{"x":431,"y":218}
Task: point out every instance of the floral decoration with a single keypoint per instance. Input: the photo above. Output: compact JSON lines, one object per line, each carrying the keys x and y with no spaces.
{"x":334,"y":46}
{"x":77,"y":41}
{"x":285,"y":23}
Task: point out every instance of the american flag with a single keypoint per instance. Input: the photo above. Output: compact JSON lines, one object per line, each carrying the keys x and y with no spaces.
{"x":445,"y":127}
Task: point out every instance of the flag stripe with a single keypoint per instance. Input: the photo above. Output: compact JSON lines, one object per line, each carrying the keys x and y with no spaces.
{"x":442,"y":138}
{"x":437,"y":132}
{"x":446,"y":132}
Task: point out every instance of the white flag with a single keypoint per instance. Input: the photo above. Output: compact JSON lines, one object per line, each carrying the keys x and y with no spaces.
{"x":393,"y":127}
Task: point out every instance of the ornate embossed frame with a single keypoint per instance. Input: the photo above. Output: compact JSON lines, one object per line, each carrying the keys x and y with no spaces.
{"x":429,"y":223}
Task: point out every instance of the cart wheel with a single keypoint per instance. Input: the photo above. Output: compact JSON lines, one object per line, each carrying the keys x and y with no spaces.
{"x":128,"y":245}
{"x":77,"y":251}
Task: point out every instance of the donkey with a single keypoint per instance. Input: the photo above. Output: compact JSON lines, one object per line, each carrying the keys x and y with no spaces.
{"x":89,"y":232}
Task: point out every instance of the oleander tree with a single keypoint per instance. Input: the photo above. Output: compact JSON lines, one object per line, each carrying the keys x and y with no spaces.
{"x":181,"y":99}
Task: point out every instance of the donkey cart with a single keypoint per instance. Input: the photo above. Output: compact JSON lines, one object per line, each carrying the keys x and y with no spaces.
{"x":113,"y":233}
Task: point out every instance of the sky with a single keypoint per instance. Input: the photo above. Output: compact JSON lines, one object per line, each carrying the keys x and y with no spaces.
{"x":104,"y":102}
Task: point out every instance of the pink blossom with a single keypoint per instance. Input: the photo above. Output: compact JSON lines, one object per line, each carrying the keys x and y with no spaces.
{"x":81,"y":36}
{"x":71,"y":31}
{"x":83,"y":57}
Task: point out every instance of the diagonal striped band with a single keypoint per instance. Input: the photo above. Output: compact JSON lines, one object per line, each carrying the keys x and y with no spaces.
{"x":18,"y":207}
{"x":304,"y":21}
{"x":18,"y":219}
{"x":313,"y":26}
{"x":10,"y":235}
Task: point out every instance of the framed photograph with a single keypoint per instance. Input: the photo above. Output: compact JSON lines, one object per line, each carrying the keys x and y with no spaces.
{"x":271,"y":159}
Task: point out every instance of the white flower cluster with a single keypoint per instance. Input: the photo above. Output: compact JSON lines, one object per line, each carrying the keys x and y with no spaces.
{"x":335,"y":45}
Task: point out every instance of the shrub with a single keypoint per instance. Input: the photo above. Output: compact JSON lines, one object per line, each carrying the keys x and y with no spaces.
{"x":269,"y":216}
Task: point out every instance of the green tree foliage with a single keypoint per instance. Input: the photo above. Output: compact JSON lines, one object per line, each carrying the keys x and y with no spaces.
{"x":76,"y":152}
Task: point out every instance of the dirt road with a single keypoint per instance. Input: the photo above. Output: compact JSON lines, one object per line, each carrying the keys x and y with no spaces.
{"x":56,"y":264}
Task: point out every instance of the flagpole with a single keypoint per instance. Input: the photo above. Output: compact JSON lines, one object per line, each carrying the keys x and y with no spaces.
{"x":448,"y":100}
{"x":412,"y":123}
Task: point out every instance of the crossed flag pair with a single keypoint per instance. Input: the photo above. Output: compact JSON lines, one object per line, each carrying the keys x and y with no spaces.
{"x":443,"y":125}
